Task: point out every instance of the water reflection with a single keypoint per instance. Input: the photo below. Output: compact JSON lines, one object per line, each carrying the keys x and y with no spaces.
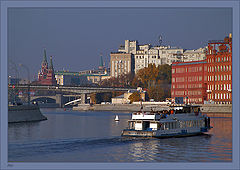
{"x":95,"y":137}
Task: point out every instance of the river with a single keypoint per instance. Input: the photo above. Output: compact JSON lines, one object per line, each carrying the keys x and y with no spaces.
{"x":74,"y":136}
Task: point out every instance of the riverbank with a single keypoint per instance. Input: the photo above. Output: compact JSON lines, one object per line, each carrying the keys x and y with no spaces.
{"x":205,"y":108}
{"x":24,"y":113}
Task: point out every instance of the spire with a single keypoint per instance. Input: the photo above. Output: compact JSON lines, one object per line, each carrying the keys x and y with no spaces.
{"x":51,"y":64}
{"x":101,"y":62}
{"x":45,"y":56}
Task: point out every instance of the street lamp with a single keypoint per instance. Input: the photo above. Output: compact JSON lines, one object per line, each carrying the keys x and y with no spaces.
{"x":28,"y":91}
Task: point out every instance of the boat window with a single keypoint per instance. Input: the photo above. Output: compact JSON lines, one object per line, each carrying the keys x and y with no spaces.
{"x":174,"y":125}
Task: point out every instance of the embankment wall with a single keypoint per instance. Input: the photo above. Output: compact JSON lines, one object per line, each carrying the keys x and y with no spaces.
{"x":24,"y":113}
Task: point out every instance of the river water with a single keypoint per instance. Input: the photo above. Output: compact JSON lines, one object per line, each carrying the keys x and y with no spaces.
{"x":73,"y":136}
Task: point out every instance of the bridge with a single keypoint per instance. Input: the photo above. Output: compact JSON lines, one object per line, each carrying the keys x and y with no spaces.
{"x":58,"y":93}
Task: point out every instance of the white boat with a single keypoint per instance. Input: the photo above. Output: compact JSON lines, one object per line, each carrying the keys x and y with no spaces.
{"x":179,"y":121}
{"x":116,"y":118}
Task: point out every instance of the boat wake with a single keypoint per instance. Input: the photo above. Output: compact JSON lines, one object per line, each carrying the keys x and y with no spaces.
{"x":17,"y":150}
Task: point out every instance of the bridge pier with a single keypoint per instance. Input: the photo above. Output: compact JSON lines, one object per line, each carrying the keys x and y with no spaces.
{"x":59,"y":99}
{"x":83,"y":98}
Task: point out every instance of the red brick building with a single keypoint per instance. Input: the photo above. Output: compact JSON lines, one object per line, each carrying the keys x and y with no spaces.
{"x":189,"y":81}
{"x":46,"y":74}
{"x":219,"y":66}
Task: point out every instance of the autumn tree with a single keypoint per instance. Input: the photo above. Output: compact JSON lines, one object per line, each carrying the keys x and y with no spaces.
{"x":135,"y":97}
{"x":157,"y":80}
{"x":123,"y":80}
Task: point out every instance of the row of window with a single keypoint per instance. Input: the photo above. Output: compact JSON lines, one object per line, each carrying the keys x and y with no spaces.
{"x":183,"y":92}
{"x":195,"y":100}
{"x":220,"y":87}
{"x":220,"y":78}
{"x":181,"y":86}
{"x":219,"y":96}
{"x":220,"y":68}
{"x":189,"y":79}
{"x":185,"y":70}
{"x":191,"y":123}
{"x":219,"y":59}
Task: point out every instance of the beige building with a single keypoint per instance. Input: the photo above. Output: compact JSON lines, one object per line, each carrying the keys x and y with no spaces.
{"x":124,"y":98}
{"x":121,"y":63}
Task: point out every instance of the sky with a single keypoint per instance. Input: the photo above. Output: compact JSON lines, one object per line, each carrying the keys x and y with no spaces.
{"x":76,"y":37}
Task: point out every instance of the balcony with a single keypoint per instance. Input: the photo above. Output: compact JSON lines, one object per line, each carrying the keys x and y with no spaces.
{"x":209,"y":91}
{"x":230,"y":90}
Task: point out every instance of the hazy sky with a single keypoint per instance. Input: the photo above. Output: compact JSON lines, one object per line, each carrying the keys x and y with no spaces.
{"x":76,"y":37}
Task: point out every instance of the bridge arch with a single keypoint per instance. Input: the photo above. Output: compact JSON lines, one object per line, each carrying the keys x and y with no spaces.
{"x":44,"y":99}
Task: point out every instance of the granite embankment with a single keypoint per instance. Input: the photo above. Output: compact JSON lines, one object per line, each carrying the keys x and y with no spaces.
{"x":216,"y":108}
{"x":24,"y":113}
{"x":205,"y":108}
{"x":120,"y":107}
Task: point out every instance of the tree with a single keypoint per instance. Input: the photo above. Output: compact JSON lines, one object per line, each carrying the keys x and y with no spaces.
{"x":93,"y":98}
{"x":135,"y":97}
{"x":157,"y":80}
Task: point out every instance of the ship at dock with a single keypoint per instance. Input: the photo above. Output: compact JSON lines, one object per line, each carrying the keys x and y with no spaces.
{"x":178,"y":121}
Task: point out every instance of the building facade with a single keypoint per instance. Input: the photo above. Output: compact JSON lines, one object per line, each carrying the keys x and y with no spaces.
{"x":146,"y":54}
{"x":70,"y":78}
{"x":194,"y":55}
{"x":129,"y":47}
{"x":219,"y":67}
{"x":189,"y":81}
{"x":121,"y":63}
{"x":46,"y":74}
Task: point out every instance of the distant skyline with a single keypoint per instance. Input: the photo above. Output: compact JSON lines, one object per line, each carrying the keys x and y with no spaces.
{"x":76,"y":37}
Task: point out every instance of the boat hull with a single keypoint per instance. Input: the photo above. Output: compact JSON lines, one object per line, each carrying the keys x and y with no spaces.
{"x":157,"y":134}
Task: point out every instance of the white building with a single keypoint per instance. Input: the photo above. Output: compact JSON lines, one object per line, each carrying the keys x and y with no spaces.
{"x":158,"y":55}
{"x":129,"y":47}
{"x":194,"y":55}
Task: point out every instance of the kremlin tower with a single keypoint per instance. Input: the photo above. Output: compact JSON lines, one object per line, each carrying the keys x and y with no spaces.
{"x":46,"y":74}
